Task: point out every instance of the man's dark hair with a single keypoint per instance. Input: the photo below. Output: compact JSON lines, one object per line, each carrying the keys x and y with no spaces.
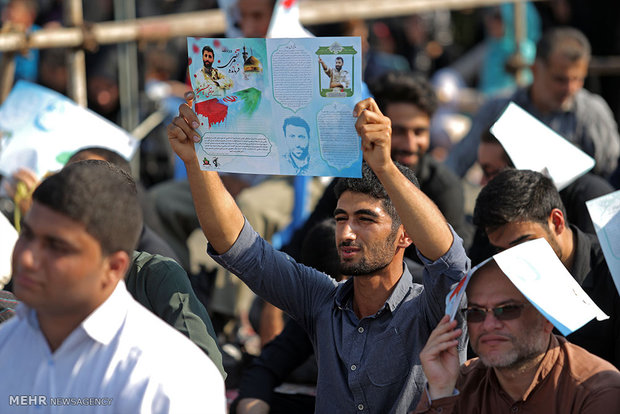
{"x":405,"y":87}
{"x":515,"y":196}
{"x":570,"y":42}
{"x":298,"y":122}
{"x":487,"y":137}
{"x":110,"y":156}
{"x":100,"y":196}
{"x":208,"y":49}
{"x":339,"y":57}
{"x":370,"y":185}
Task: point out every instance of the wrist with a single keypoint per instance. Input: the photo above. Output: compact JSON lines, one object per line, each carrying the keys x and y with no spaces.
{"x":436,"y":393}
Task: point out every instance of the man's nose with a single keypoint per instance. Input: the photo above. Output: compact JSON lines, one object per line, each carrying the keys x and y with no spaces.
{"x":491,"y":322}
{"x":346,"y":231}
{"x":27,"y":255}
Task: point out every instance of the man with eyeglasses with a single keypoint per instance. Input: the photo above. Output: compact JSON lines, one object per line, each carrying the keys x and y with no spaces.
{"x":522,"y":366}
{"x":521,"y":205}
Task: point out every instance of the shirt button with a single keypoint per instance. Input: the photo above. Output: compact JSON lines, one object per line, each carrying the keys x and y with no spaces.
{"x":360,"y":407}
{"x":353,"y":367}
{"x":360,"y":330}
{"x":514,"y":409}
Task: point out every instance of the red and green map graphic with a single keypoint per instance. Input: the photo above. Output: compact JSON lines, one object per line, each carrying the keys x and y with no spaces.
{"x":218,"y":110}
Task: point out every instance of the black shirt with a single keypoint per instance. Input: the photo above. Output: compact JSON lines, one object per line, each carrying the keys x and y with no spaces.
{"x":590,"y":270}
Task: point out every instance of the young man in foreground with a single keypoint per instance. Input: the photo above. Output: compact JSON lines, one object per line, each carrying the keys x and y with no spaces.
{"x":368,"y":331}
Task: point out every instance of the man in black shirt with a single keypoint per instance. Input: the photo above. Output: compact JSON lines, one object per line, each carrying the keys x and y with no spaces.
{"x":520,"y":205}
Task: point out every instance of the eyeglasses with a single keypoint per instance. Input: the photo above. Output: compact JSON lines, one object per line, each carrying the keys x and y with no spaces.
{"x":502,"y":313}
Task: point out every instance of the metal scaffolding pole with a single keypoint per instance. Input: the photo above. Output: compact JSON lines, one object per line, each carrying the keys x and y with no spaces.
{"x":125,"y":10}
{"x":7,"y":69}
{"x":76,"y":59}
{"x":520,"y":37}
{"x":212,"y":22}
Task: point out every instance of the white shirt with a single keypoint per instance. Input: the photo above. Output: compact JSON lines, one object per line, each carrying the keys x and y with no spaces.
{"x":120,"y":359}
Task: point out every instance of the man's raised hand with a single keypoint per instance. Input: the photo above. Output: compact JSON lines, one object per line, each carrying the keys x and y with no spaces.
{"x":440,"y":359}
{"x":182,"y":131}
{"x":375,"y":129}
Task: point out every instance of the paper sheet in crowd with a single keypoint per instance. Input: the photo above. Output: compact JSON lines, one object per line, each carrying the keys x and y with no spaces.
{"x":540,"y":276}
{"x":532,"y":145}
{"x":605,"y":214}
{"x":41,"y":129}
{"x":7,"y":242}
{"x":261,"y":85}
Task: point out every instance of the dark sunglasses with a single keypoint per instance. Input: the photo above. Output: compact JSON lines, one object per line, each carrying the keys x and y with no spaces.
{"x":503,"y":313}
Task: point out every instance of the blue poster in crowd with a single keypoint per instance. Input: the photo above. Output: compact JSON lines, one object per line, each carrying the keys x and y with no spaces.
{"x":277,"y":106}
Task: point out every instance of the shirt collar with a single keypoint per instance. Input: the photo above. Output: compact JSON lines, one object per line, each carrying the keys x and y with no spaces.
{"x":103,"y":324}
{"x":400,"y":292}
{"x":300,"y":165}
{"x":546,"y":366}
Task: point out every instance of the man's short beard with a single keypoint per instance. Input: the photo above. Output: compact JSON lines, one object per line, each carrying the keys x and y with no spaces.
{"x":362,"y":268}
{"x":522,"y":353}
{"x":384,"y":256}
{"x":303,"y":155}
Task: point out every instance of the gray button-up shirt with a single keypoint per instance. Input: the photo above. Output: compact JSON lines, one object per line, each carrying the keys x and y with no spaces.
{"x":365,"y":366}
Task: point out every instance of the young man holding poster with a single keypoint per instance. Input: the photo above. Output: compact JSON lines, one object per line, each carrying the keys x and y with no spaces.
{"x":367,"y":331}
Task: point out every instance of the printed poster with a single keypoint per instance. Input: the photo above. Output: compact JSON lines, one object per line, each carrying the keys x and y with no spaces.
{"x":277,"y":106}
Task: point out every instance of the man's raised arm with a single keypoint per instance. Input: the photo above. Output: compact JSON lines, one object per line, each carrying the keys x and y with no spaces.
{"x":422,"y":219}
{"x":220,"y":218}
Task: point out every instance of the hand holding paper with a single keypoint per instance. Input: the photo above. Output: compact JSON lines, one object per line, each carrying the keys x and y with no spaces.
{"x":181,"y":135}
{"x":375,"y":129}
{"x":440,"y":359}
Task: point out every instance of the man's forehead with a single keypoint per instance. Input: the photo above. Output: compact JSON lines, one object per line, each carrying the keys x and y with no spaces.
{"x":352,"y":202}
{"x":255,"y":6}
{"x":45,"y":220}
{"x":514,"y":233}
{"x":295,"y":129}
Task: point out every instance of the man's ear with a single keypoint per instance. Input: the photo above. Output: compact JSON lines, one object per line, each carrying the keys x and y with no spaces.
{"x":404,"y":240}
{"x":557,"y":222}
{"x":117,"y":264}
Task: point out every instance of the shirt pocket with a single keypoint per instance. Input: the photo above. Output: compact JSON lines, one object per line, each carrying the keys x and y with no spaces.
{"x":387,"y":362}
